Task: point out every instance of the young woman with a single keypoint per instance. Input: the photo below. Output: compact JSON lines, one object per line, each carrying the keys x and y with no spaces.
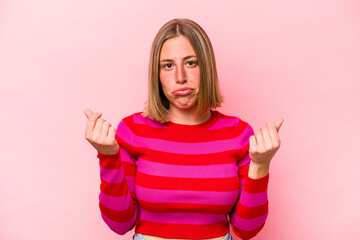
{"x":180,"y":169}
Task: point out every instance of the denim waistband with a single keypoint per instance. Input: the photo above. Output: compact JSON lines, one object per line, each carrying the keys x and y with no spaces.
{"x":139,"y":236}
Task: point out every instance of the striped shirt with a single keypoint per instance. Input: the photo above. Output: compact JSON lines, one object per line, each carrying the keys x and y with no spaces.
{"x":182,"y":181}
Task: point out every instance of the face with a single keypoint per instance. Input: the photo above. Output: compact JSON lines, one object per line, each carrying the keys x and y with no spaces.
{"x":179,"y":73}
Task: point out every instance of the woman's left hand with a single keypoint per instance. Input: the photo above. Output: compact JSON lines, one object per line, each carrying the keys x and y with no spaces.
{"x":265,"y":143}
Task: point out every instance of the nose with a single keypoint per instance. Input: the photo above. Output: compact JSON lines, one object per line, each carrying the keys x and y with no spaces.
{"x":181,"y":74}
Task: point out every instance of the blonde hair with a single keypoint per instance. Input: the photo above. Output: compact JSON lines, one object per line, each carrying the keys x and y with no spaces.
{"x":157,"y":106}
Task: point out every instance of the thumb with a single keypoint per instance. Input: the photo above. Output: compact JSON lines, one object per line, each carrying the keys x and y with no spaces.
{"x":278,"y":123}
{"x":88,"y":113}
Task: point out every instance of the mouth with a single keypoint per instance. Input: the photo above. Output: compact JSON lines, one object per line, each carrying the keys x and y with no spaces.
{"x":183,"y":91}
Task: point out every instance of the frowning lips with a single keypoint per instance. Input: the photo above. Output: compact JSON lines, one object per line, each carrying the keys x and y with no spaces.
{"x":183,"y":91}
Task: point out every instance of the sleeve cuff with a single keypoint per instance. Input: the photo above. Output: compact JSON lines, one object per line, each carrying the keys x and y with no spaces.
{"x":109,"y":161}
{"x":102,"y":156}
{"x":256,"y":185}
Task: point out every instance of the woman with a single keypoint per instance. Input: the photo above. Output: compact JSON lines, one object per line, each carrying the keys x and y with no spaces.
{"x":181,"y":170}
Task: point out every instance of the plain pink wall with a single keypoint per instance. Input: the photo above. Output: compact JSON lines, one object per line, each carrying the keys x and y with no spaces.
{"x":296,"y":59}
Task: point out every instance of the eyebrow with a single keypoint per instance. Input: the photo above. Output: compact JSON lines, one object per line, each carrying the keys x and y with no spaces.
{"x":185,"y":58}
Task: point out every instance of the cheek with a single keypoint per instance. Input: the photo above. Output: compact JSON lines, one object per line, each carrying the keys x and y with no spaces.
{"x":162,"y":79}
{"x":195,"y":76}
{"x":164,"y":83}
{"x":165,"y":78}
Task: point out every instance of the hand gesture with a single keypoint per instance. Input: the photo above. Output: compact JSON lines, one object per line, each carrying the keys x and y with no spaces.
{"x":100,"y":134}
{"x":265,"y":143}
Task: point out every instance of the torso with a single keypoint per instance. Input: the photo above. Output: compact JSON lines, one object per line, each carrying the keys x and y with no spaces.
{"x":216,"y":200}
{"x":150,"y":237}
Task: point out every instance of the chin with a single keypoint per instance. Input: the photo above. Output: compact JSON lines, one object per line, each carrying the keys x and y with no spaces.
{"x":186,"y":107}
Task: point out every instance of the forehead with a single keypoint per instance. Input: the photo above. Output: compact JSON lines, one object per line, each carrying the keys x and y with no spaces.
{"x":177,"y":47}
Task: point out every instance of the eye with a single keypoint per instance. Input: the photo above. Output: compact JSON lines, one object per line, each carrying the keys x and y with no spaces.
{"x":191,"y":63}
{"x":167,"y":65}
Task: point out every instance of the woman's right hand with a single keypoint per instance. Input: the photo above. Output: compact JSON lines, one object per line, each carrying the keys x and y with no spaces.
{"x":100,"y":134}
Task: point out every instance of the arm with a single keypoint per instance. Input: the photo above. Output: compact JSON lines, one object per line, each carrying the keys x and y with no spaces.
{"x":251,"y":210}
{"x":118,"y":204}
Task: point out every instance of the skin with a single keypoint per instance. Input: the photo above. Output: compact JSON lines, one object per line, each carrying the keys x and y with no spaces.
{"x":179,"y":68}
{"x":263,"y":146}
{"x":100,"y":134}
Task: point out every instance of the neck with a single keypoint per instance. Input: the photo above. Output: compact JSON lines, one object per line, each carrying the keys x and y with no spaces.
{"x":188,"y":117}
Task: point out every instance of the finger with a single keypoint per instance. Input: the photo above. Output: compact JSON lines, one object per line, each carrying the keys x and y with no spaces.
{"x":90,"y":125}
{"x":97,"y":128}
{"x":266,"y":136}
{"x":260,"y":141}
{"x":105,"y":129}
{"x":278,"y":123}
{"x":111,"y":134}
{"x":252,"y":141}
{"x":88,"y":113}
{"x":273,"y":134}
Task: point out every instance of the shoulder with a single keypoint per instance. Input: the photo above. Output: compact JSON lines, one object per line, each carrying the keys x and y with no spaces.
{"x":232,"y":120}
{"x":136,"y":119}
{"x":130,"y":118}
{"x":239,"y":125}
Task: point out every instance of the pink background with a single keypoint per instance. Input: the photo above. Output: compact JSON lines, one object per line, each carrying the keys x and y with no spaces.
{"x":296,"y":59}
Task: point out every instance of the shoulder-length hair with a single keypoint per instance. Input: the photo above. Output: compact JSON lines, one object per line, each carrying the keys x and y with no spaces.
{"x":157,"y":106}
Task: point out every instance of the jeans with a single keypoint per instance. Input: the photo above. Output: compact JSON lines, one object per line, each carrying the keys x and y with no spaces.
{"x":139,"y":236}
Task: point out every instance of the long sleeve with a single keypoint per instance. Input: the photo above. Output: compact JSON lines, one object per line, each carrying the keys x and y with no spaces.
{"x":251,"y":210}
{"x":189,"y":180}
{"x":118,"y":204}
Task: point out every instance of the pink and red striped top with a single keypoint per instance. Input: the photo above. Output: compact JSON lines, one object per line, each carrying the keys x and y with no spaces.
{"x":182,"y":181}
